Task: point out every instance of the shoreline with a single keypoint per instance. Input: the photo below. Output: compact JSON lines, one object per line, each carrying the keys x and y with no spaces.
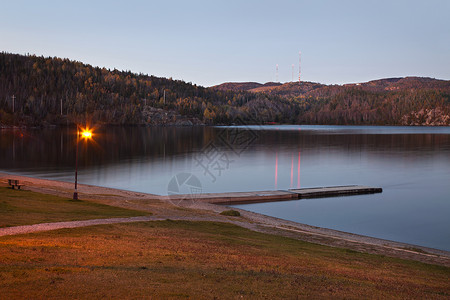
{"x":52,"y":126}
{"x":169,"y":208}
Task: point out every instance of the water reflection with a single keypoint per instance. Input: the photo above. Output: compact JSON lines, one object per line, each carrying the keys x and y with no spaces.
{"x":147,"y":153}
{"x":276,"y":170}
{"x":411,"y":164}
{"x":298,"y":171}
{"x":55,"y":147}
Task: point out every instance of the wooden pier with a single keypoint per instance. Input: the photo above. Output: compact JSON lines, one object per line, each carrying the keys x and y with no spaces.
{"x":279,"y":195}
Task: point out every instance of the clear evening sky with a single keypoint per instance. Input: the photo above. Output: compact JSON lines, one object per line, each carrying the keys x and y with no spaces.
{"x":211,"y":42}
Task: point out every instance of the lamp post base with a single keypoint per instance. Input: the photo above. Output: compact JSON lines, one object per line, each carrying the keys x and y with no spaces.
{"x":75,"y":195}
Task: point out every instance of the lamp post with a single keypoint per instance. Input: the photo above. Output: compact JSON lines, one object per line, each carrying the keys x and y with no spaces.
{"x":86,"y":134}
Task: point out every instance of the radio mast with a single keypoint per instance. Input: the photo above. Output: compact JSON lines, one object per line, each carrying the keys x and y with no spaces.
{"x":299,"y":66}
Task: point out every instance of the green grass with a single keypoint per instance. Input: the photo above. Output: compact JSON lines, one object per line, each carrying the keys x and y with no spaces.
{"x":231,"y":212}
{"x":187,"y":260}
{"x":202,"y":260}
{"x":21,"y":207}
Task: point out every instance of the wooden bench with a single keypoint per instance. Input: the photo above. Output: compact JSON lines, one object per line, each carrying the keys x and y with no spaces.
{"x":14,"y":183}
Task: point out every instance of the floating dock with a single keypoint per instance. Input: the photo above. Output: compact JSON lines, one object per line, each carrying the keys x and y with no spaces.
{"x":279,"y":195}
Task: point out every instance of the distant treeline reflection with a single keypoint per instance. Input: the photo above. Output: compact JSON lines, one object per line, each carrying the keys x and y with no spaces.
{"x":45,"y":148}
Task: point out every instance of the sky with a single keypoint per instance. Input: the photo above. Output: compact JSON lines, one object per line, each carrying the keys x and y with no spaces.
{"x":211,"y":42}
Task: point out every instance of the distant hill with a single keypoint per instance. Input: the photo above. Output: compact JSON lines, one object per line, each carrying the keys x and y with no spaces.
{"x":289,"y":89}
{"x":49,"y":90}
{"x":244,"y":86}
{"x":236,"y":86}
{"x":393,"y":101}
{"x":295,"y":89}
{"x":405,"y":83}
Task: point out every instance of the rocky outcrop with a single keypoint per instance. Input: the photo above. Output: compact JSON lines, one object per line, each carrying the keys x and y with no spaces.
{"x":160,"y":117}
{"x":427,"y":117}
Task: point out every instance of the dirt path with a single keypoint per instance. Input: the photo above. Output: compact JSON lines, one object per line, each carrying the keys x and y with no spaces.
{"x":163,"y":208}
{"x":70,"y":224}
{"x":24,"y":229}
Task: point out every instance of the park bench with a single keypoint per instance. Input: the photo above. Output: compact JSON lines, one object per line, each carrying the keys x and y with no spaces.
{"x":14,"y":183}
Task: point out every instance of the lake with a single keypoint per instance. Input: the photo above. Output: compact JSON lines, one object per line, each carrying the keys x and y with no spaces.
{"x":411,"y":164}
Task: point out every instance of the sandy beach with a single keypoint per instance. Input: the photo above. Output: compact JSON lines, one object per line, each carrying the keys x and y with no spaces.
{"x":164,"y":207}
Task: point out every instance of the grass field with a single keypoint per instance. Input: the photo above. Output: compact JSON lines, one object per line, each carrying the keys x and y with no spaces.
{"x":179,"y":259}
{"x":21,"y":207}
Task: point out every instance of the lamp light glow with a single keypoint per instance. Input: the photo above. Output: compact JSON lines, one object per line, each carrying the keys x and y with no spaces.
{"x":86,"y":134}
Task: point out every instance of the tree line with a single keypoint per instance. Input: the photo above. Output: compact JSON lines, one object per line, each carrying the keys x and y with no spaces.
{"x":50,"y":90}
{"x":55,"y":90}
{"x":356,"y":106}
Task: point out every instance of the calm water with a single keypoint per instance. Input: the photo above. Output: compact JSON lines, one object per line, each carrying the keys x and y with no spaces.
{"x":412,"y":165}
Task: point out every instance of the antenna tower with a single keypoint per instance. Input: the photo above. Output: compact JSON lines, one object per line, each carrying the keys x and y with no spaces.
{"x":299,"y":66}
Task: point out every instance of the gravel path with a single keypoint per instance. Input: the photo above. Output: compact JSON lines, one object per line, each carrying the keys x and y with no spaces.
{"x":24,"y":229}
{"x":71,"y":224}
{"x":315,"y":235}
{"x":162,"y":208}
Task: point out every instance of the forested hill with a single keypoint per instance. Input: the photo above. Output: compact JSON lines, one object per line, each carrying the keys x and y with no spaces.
{"x":39,"y":85}
{"x":61,"y":91}
{"x":391,"y":101}
{"x":322,"y":90}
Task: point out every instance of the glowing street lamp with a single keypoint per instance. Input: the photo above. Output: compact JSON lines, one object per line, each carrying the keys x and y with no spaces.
{"x":86,"y":133}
